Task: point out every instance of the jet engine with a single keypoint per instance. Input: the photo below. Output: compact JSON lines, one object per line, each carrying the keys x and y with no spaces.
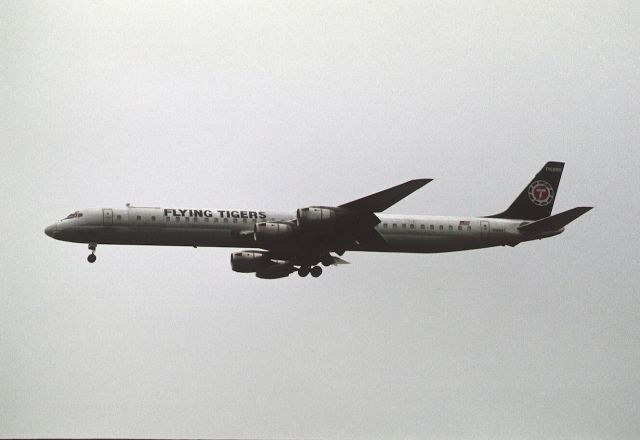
{"x":272,"y":233}
{"x":316,"y":217}
{"x":248,"y":261}
{"x":278,"y":269}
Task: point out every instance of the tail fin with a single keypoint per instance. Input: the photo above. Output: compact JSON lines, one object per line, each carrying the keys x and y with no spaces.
{"x":535,"y":202}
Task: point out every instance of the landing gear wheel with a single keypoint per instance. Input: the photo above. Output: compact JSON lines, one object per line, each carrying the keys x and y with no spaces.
{"x":316,"y":271}
{"x":303,"y":271}
{"x":327,"y":261}
{"x":92,"y":257}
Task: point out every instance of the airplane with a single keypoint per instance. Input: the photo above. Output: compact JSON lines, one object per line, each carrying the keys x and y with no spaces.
{"x":281,"y":243}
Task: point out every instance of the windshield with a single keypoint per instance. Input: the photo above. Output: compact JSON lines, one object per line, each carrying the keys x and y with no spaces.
{"x":73,"y":215}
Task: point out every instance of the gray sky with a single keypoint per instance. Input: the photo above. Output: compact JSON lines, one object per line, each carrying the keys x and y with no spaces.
{"x":286,"y":104}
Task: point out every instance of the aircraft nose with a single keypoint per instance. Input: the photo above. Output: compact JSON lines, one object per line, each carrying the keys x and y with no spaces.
{"x":51,"y":230}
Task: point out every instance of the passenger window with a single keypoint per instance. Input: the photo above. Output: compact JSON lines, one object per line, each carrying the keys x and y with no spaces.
{"x":431,"y":227}
{"x":168,"y":219}
{"x":139,"y":218}
{"x":235,"y":220}
{"x":441,"y":227}
{"x":195,"y":219}
{"x":206,"y":219}
{"x":226,"y":220}
{"x":178,"y":219}
{"x":186,"y":219}
{"x":411,"y":226}
{"x":153,"y":218}
{"x":395,"y":225}
{"x":468,"y":228}
{"x":118,"y":217}
{"x":244,"y":220}
{"x":421,"y":226}
{"x":384,"y":225}
{"x":215,"y":220}
{"x":459,"y":228}
{"x":404,"y":226}
{"x":450,"y":228}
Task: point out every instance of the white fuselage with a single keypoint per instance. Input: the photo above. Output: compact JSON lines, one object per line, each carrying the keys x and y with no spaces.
{"x":234,"y":228}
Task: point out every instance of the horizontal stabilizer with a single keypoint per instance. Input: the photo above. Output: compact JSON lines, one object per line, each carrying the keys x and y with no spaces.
{"x":382,"y":200}
{"x":554,"y":222}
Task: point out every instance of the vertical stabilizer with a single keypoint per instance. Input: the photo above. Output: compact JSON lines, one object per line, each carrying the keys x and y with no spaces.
{"x":536,"y":200}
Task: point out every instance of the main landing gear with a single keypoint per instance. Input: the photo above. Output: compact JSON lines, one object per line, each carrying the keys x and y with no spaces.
{"x":315,"y":271}
{"x":92,"y":256}
{"x":313,"y":266}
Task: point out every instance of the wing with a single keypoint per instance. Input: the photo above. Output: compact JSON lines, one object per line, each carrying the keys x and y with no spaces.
{"x":348,"y":225}
{"x":382,"y":200}
{"x":328,"y":229}
{"x":363,"y":233}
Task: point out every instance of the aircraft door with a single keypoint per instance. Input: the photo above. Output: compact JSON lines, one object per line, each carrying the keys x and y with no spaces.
{"x":484,"y":229}
{"x":107,"y":216}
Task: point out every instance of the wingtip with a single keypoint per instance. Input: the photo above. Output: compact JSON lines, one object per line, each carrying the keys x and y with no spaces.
{"x":581,"y":210}
{"x":382,"y":200}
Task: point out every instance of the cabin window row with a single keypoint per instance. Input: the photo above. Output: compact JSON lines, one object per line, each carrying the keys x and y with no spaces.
{"x":431,"y":227}
{"x":195,"y":219}
{"x":138,"y":217}
{"x":210,"y":220}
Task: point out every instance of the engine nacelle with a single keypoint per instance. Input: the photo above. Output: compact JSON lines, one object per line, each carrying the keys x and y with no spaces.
{"x":248,"y":261}
{"x":272,"y":233}
{"x":278,"y":269}
{"x":316,"y":218}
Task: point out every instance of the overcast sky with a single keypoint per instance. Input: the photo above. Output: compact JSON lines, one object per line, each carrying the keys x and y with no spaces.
{"x":280,"y":105}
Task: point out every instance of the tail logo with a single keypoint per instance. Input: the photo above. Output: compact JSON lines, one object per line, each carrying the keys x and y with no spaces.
{"x":540,"y":193}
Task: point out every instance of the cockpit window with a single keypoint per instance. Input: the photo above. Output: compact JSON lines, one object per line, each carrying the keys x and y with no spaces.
{"x":73,"y":215}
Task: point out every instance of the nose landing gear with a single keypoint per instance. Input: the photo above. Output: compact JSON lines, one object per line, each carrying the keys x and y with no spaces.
{"x":92,"y":256}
